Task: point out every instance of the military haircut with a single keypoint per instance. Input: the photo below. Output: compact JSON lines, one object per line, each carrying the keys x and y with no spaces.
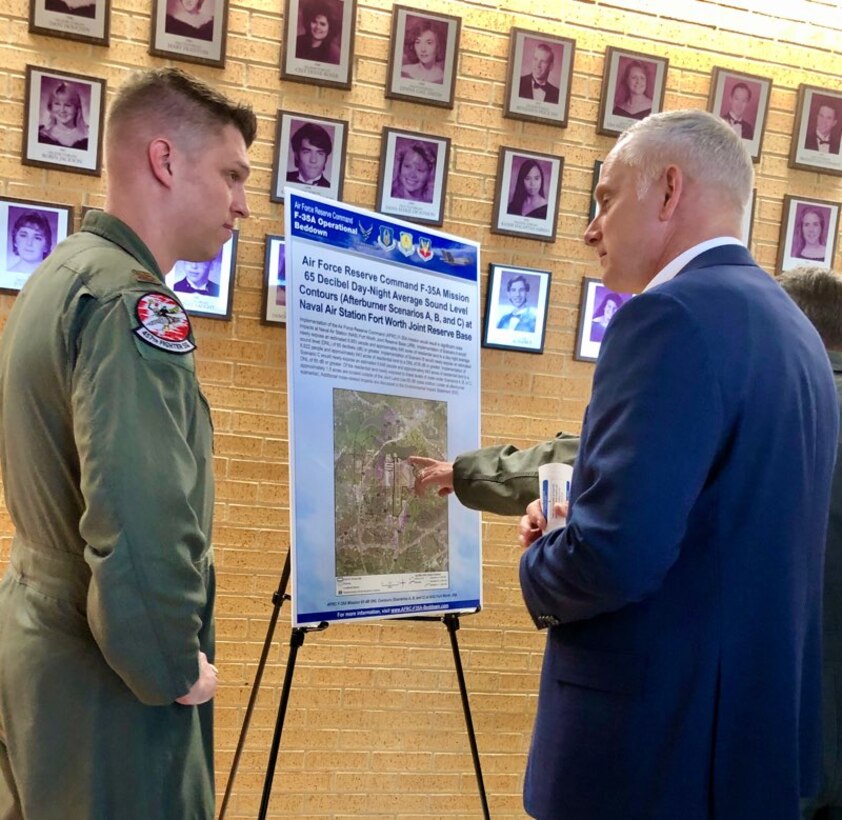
{"x":173,"y":98}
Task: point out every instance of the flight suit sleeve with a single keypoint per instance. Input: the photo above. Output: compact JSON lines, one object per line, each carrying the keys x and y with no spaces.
{"x":134,"y":407}
{"x":504,"y":479}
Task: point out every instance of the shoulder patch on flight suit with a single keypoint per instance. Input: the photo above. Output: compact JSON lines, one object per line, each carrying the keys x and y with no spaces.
{"x":163,"y":323}
{"x":146,"y":276}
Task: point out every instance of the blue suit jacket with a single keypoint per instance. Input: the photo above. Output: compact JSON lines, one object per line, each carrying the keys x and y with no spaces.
{"x":681,"y":677}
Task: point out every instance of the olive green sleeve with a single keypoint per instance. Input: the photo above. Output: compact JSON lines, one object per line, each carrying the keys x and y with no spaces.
{"x":504,"y":479}
{"x":133,"y":408}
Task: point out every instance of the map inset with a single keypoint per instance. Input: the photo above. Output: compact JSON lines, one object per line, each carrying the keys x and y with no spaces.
{"x":382,"y":527}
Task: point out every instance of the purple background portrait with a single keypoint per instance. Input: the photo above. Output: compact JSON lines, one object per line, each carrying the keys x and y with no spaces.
{"x":402,"y":144}
{"x":337,"y":13}
{"x":797,"y":236}
{"x":816,"y":103}
{"x":208,"y":11}
{"x":600,"y":294}
{"x":281,"y":278}
{"x":621,"y":92}
{"x":47,"y":86}
{"x":534,"y":283}
{"x":546,"y":169}
{"x":750,"y":113}
{"x":529,"y":45}
{"x":16,"y":211}
{"x":215,"y":274}
{"x":294,"y":125}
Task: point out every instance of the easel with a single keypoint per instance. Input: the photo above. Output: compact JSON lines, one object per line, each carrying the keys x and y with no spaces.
{"x":296,"y":640}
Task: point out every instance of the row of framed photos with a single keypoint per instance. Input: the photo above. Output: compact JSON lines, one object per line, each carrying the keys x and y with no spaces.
{"x":318,"y":48}
{"x":517,"y":299}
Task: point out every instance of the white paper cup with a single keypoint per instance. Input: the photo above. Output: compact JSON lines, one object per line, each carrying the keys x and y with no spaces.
{"x":554,"y":486}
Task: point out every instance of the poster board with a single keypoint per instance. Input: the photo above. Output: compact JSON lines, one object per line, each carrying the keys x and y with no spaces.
{"x":383,"y":336}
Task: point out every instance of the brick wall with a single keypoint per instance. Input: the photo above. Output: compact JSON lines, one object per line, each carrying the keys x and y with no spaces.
{"x":375,"y":726}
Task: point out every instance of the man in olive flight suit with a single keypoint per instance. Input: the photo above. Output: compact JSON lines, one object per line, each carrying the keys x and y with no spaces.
{"x":106,"y":610}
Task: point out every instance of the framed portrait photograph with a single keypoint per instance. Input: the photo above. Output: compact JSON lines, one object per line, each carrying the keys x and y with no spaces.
{"x":63,"y":116}
{"x":516,"y":308}
{"x":413,"y":176}
{"x":809,"y":228}
{"x":274,"y":282}
{"x":85,"y":20}
{"x":633,"y":87}
{"x":598,"y":306}
{"x":742,"y":100}
{"x":207,"y":288}
{"x":527,"y":194}
{"x":597,"y":170}
{"x":29,"y":231}
{"x":190,"y":30}
{"x":318,"y":45}
{"x":818,"y":129}
{"x":309,"y":155}
{"x":422,"y":56}
{"x":540,"y":73}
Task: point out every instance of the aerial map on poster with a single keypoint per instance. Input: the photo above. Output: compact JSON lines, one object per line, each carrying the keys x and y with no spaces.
{"x":383,"y":363}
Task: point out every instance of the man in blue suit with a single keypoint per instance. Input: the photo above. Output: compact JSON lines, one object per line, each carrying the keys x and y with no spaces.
{"x":681,"y":676}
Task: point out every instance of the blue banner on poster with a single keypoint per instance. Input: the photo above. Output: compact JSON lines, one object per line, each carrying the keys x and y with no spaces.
{"x":383,"y":339}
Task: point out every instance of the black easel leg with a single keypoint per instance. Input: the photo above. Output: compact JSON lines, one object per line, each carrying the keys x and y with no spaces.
{"x":277,"y":599}
{"x":452,"y":624}
{"x":295,"y":641}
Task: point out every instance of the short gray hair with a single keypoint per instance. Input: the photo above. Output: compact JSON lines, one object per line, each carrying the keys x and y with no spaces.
{"x":701,"y":144}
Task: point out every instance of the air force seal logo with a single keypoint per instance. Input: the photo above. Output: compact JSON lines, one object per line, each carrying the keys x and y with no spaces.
{"x":163,"y":323}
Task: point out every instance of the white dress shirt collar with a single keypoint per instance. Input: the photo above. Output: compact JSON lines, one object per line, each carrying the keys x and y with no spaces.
{"x":672,"y":269}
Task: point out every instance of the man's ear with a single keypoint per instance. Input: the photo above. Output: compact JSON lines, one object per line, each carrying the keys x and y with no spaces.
{"x":160,"y":158}
{"x":673,"y":187}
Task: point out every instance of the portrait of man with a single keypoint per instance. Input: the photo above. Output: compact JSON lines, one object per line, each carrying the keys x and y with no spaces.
{"x":535,"y":84}
{"x":823,"y":133}
{"x":518,"y":314}
{"x":195,"y":277}
{"x":311,"y":146}
{"x":737,"y":109}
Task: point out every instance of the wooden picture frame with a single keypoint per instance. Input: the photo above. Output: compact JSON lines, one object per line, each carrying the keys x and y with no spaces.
{"x":88,"y":21}
{"x":809,"y":231}
{"x":63,"y":120}
{"x":29,"y":231}
{"x":274,"y":281}
{"x":597,"y":307}
{"x":412,"y":181}
{"x":633,"y":86}
{"x":194,"y":31}
{"x":516,"y":306}
{"x":539,"y":77}
{"x":747,"y":226}
{"x":422,"y":56}
{"x":207,"y":288}
{"x":517,"y":173}
{"x":817,"y":135}
{"x":742,"y":100}
{"x":318,"y":43}
{"x":318,"y":143}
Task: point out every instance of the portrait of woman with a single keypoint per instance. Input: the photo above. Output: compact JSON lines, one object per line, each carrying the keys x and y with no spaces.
{"x":609,"y":304}
{"x":190,"y":18}
{"x":415,"y":171}
{"x":633,"y":96}
{"x":529,"y":196}
{"x":424,"y":50}
{"x":810,"y":236}
{"x":322,"y":24}
{"x":31,"y":240}
{"x":65,"y":123}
